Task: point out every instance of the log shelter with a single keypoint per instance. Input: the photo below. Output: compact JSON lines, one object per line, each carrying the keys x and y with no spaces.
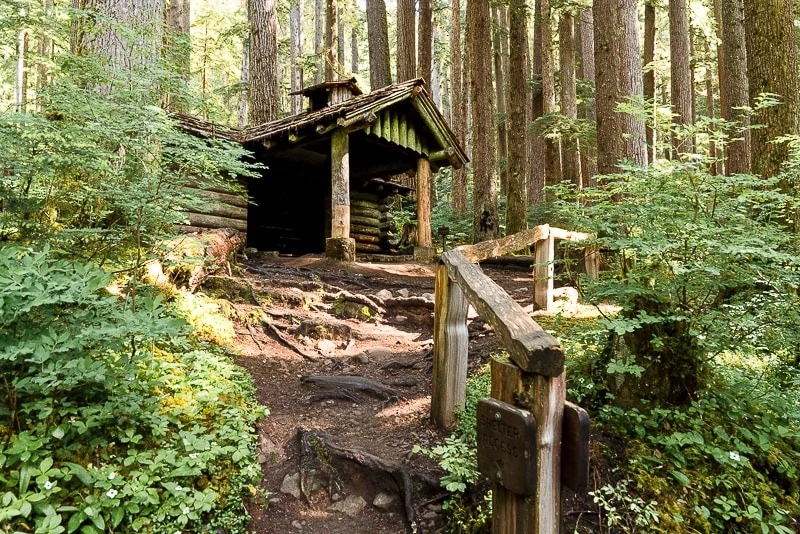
{"x":329,"y":171}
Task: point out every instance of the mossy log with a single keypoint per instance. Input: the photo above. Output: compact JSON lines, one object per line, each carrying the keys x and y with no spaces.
{"x":364,"y":230}
{"x":365,"y":221}
{"x":361,"y":238}
{"x":361,"y":211}
{"x":368,"y":247}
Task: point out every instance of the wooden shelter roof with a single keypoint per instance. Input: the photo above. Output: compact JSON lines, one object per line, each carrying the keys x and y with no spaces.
{"x":355,"y":114}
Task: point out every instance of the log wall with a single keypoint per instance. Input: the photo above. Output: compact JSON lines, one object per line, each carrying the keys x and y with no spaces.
{"x":224,"y":210}
{"x":371,"y":223}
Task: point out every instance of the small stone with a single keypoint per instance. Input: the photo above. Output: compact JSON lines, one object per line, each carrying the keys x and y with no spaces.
{"x":384,"y":294}
{"x":430,"y":515}
{"x":336,"y":497}
{"x":291,"y":485}
{"x":266,"y":449}
{"x":400,"y":319}
{"x":379,"y":353}
{"x":384,"y":501}
{"x":251,"y":251}
{"x":403,"y":293}
{"x":360,"y":358}
{"x":326,"y":347}
{"x":428,"y":296}
{"x":297,"y":524}
{"x":351,"y":506}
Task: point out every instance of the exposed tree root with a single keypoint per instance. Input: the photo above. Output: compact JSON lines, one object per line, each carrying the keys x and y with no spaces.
{"x":271,"y":329}
{"x":317,"y":453}
{"x":340,"y":394}
{"x":358,"y":383}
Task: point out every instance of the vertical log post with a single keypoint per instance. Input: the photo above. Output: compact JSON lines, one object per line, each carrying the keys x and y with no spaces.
{"x":424,"y":250}
{"x":339,"y":246}
{"x":544,"y":256}
{"x":591,"y":261}
{"x":544,"y":397}
{"x":450,"y":346}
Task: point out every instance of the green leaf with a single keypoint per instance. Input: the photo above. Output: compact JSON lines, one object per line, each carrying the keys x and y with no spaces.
{"x":680,"y":477}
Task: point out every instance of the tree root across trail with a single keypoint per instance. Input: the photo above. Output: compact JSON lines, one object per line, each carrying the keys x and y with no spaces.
{"x":321,"y":457}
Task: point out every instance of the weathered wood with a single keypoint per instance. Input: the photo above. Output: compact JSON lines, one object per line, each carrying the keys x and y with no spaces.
{"x":368,"y":247}
{"x":543,"y":274}
{"x":364,"y":238}
{"x":371,"y":198}
{"x":507,"y":508}
{"x":225,"y":198}
{"x":566,"y":235}
{"x":591,"y":261}
{"x":213,"y":221}
{"x":223,"y":210}
{"x":450,"y":346}
{"x":270,"y":328}
{"x":544,"y":396}
{"x":498,"y":247}
{"x":340,"y":184}
{"x":340,"y":248}
{"x":575,"y":448}
{"x":358,"y":383}
{"x":530,"y":347}
{"x":364,"y":221}
{"x":424,"y":237}
{"x":364,"y":230}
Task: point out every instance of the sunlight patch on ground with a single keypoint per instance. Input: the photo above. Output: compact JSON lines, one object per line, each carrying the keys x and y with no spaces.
{"x":409,"y":407}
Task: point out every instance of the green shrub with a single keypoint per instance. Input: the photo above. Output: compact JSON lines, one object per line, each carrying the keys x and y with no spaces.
{"x":111,"y":419}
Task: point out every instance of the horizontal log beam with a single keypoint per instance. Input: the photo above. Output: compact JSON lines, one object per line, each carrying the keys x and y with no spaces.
{"x":213,"y":221}
{"x":528,"y":345}
{"x":499,"y":247}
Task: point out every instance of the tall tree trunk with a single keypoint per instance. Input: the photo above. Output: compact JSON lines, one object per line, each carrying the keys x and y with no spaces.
{"x":264,"y":93}
{"x":538,"y":148}
{"x":552,"y":170}
{"x":331,"y":39}
{"x":458,"y":105}
{"x":710,"y":112}
{"x":354,"y":51}
{"x":425,"y":41}
{"x":681,"y":87}
{"x":296,"y":53}
{"x":516,"y":213}
{"x":340,"y":39}
{"x":21,"y":79}
{"x":619,"y":80}
{"x":378,"y":41}
{"x":650,"y":76}
{"x":569,"y":96}
{"x":734,"y":86}
{"x":484,"y":221}
{"x":177,"y":49}
{"x":772,"y":68}
{"x":45,"y":48}
{"x":498,"y":35}
{"x":243,"y":108}
{"x":586,"y":109}
{"x":319,"y":38}
{"x":406,"y":41}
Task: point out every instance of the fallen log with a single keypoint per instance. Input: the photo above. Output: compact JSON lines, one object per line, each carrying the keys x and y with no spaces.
{"x":349,"y":382}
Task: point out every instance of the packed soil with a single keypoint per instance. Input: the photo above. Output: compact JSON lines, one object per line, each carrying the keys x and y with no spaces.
{"x":339,"y":460}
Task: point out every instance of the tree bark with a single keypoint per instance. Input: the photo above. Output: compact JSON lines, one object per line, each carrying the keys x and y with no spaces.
{"x":650,"y":76}
{"x":536,"y":185}
{"x":681,"y":87}
{"x":319,"y":37}
{"x":331,"y":39}
{"x":425,"y":42}
{"x":484,"y":221}
{"x":734,"y":86}
{"x":340,"y":39}
{"x":458,"y":105}
{"x":354,"y":51}
{"x":498,"y":36}
{"x":378,"y":40}
{"x":516,"y":219}
{"x":552,"y":171}
{"x":264,"y":93}
{"x":569,"y":97}
{"x":619,"y":80}
{"x":772,"y":68}
{"x":296,"y":53}
{"x":406,"y":41}
{"x":586,"y":108}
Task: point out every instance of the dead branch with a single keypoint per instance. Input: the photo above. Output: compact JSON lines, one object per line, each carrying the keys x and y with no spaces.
{"x":358,"y":383}
{"x":253,"y":335}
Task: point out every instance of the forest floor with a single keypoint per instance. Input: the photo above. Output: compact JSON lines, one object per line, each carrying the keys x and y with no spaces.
{"x":340,"y":461}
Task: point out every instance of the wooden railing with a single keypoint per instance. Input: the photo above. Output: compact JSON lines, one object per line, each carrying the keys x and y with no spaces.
{"x":532,"y":379}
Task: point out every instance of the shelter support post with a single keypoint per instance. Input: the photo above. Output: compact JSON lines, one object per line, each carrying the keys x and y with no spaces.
{"x":424,"y":250}
{"x":340,"y":246}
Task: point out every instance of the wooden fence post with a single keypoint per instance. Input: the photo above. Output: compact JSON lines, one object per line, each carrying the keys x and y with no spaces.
{"x":544,"y":397}
{"x":544,"y":256}
{"x":450,"y":346}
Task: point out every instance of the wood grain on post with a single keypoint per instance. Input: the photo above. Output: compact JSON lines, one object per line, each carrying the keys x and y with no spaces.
{"x":450,"y":346}
{"x":530,"y":347}
{"x":424,"y":237}
{"x":543,"y":273}
{"x":340,"y":184}
{"x":591,"y":260}
{"x":507,"y":508}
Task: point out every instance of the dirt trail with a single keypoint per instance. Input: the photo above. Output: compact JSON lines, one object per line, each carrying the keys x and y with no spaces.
{"x":320,"y":309}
